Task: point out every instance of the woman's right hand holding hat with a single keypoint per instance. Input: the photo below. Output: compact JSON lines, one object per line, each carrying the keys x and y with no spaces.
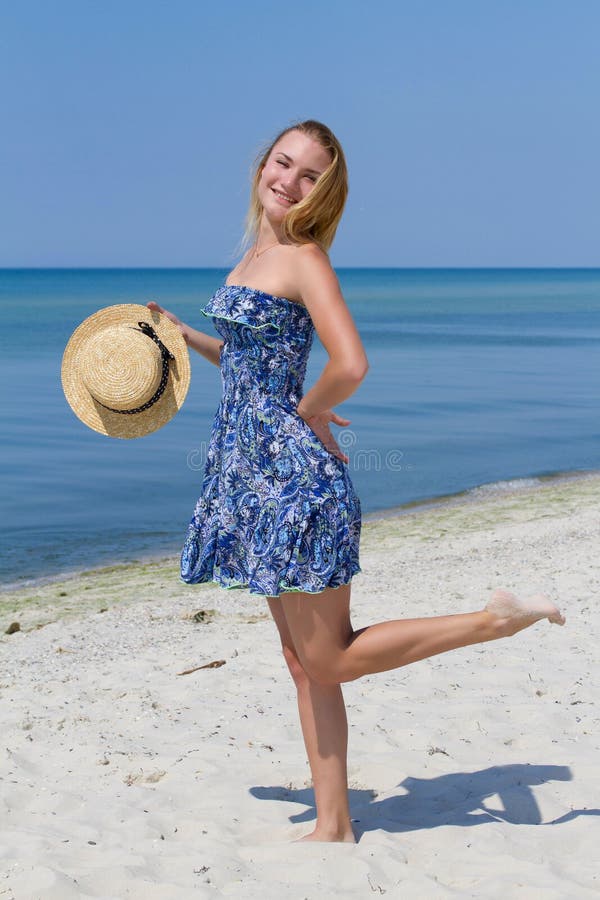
{"x":183,"y":328}
{"x":204,"y":344}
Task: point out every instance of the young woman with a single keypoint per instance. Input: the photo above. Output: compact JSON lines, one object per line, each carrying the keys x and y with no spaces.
{"x":278,"y":514}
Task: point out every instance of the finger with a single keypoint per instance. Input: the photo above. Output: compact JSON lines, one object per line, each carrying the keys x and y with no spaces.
{"x":333,"y":448}
{"x":336,"y":450}
{"x":327,"y":438}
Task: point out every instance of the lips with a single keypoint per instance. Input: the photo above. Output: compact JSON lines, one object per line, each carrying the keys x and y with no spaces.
{"x":282,"y":196}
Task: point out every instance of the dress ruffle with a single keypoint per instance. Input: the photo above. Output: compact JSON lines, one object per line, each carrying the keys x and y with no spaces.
{"x":239,"y":304}
{"x":269,"y":551}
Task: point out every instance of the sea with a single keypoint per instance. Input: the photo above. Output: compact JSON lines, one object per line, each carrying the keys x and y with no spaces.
{"x":481,"y":381}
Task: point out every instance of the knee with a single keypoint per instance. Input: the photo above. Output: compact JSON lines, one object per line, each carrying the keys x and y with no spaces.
{"x":324,"y":672}
{"x":296,"y":668}
{"x":309,"y":670}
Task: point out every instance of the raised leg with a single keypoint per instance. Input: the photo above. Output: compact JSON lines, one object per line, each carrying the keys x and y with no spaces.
{"x":325,"y":731}
{"x":331,"y":652}
{"x":322,"y":650}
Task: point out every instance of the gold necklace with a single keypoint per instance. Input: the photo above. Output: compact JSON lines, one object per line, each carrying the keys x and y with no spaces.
{"x":270,"y":247}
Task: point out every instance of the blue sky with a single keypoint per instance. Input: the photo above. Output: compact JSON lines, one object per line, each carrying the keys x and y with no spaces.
{"x":471,"y":127}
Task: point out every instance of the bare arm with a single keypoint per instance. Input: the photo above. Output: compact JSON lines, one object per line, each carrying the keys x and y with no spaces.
{"x":348,"y":363}
{"x":208,"y":347}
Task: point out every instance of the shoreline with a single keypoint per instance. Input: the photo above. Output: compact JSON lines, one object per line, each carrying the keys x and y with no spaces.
{"x":518,"y":486}
{"x":96,"y":589}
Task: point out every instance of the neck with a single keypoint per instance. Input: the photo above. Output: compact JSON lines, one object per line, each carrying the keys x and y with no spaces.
{"x":268,"y":233}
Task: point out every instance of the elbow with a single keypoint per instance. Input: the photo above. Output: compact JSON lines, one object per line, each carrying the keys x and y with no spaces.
{"x":359,"y":370}
{"x":355,"y":374}
{"x":351,"y":369}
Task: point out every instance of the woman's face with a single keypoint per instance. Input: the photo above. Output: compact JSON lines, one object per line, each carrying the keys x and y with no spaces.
{"x":290,"y":173}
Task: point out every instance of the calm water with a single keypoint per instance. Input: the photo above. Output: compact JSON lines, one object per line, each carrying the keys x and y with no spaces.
{"x":477,"y":377}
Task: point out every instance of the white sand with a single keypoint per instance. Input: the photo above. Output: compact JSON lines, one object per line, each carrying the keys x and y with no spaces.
{"x":473,"y":774}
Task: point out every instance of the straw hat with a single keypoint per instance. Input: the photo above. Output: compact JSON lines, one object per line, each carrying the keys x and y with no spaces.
{"x":126,"y":370}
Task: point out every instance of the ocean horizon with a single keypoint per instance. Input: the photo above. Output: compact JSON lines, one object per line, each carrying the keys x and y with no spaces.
{"x":480,"y":379}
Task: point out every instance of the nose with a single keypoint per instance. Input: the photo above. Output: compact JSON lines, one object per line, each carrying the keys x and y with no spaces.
{"x":290,"y":181}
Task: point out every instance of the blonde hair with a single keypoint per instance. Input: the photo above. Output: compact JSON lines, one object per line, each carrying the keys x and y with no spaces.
{"x":317,"y":216}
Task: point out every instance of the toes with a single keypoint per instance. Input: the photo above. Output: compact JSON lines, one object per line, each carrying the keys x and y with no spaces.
{"x":505,"y":605}
{"x":553,"y":614}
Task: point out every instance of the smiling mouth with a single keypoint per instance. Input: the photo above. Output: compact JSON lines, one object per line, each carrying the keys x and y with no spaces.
{"x":283,"y":196}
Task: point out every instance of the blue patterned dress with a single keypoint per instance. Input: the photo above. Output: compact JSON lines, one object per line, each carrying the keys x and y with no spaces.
{"x":277,"y":511}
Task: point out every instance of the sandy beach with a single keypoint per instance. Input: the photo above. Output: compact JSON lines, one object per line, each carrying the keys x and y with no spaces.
{"x":473,"y":774}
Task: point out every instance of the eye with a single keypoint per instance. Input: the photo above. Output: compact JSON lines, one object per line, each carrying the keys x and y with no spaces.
{"x":283,"y":163}
{"x":312,"y":178}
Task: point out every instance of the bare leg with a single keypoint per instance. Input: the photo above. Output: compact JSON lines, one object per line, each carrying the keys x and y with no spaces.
{"x":332,"y":652}
{"x":325,"y":731}
{"x":322,"y":649}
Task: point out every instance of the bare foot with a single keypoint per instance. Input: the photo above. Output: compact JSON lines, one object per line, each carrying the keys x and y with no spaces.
{"x":513,"y":615}
{"x":328,"y":837}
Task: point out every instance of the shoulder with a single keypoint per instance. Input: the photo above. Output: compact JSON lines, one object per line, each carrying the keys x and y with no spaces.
{"x":312,"y":268}
{"x":322,"y":295}
{"x":311,"y":255}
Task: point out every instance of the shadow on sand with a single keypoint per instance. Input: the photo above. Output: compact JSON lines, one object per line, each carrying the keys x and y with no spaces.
{"x":453,"y":799}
